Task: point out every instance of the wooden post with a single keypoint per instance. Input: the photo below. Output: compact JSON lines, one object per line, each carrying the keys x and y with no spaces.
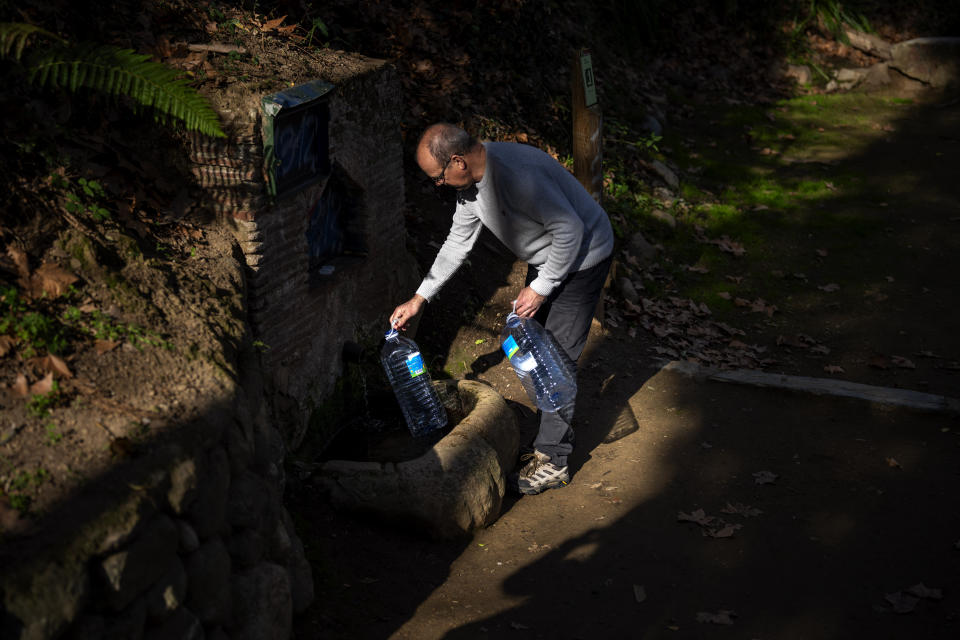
{"x":587,"y":127}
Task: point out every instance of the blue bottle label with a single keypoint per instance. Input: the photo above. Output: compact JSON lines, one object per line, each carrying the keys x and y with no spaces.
{"x":415,"y":364}
{"x":510,"y":346}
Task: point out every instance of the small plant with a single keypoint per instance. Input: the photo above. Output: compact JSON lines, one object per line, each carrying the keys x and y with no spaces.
{"x":20,"y":502}
{"x":35,"y":332}
{"x":39,"y":404}
{"x":88,"y":200}
{"x":103,"y":327}
{"x":38,"y":332}
{"x":53,"y":435}
{"x":320,"y":26}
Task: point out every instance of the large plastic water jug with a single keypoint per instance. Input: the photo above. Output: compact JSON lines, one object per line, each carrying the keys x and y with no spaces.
{"x":544,"y":369}
{"x":418,"y":400}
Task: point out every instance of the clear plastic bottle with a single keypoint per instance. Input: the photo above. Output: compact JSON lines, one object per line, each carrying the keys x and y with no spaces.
{"x":545,"y":371}
{"x":418,"y":400}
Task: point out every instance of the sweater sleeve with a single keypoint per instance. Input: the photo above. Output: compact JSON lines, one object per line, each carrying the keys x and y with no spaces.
{"x":464,"y":231}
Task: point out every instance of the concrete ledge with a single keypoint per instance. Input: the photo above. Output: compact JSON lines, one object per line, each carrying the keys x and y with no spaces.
{"x":454,"y":488}
{"x":822,"y":386}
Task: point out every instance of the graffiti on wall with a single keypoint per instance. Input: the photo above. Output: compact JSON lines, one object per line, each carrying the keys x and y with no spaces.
{"x":296,"y":137}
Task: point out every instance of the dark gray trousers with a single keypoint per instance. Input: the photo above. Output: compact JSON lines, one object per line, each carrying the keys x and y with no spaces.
{"x":567,"y":314}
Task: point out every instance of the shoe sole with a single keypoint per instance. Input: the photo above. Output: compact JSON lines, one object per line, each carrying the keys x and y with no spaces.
{"x":556,"y":484}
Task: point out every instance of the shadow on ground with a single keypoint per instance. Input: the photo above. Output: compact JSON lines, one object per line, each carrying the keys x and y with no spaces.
{"x":784,"y":515}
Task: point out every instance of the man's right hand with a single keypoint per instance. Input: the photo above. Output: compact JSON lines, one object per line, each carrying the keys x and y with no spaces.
{"x":402,"y":315}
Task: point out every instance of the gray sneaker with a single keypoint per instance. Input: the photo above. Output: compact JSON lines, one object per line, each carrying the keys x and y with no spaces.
{"x":538,"y":474}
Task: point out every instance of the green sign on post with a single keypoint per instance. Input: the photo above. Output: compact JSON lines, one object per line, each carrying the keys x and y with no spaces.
{"x":589,"y":85}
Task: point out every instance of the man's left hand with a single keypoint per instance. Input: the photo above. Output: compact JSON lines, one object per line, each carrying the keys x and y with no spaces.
{"x":528,"y":302}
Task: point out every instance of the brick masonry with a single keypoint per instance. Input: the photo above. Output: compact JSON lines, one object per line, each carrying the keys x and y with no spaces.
{"x":302,"y":321}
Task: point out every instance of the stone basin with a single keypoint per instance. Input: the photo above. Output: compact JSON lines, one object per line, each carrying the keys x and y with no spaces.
{"x":452,"y":489}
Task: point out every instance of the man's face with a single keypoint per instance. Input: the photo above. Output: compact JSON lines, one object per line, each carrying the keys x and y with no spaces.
{"x":453,"y":174}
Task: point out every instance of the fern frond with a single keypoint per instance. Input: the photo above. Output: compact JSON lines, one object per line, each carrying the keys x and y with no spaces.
{"x":123,"y":72}
{"x":14,"y":35}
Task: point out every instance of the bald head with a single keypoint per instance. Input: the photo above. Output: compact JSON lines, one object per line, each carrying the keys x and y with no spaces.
{"x":443,"y":140}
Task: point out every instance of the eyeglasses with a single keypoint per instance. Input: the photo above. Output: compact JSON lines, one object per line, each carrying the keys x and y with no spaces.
{"x":440,"y":179}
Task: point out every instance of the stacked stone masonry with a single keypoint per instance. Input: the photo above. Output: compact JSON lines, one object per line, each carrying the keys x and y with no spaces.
{"x":202,"y":547}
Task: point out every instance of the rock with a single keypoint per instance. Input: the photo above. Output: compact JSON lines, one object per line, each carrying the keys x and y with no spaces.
{"x":666,"y":173}
{"x":869,"y":43}
{"x":627,"y":290}
{"x":182,"y":625}
{"x":849,"y":78}
{"x":40,"y":604}
{"x":207,"y":513}
{"x":934,"y":61}
{"x":454,"y":488}
{"x":639,"y":247}
{"x":299,"y":570}
{"x":208,"y":580}
{"x":248,"y":499}
{"x":651,"y":125}
{"x":189,"y":541}
{"x":183,"y":485}
{"x":167,"y":594}
{"x":664,"y":217}
{"x":246,"y":548}
{"x":264,"y":608}
{"x":877,"y":76}
{"x":799,"y":72}
{"x":129,"y":572}
{"x":128,"y":624}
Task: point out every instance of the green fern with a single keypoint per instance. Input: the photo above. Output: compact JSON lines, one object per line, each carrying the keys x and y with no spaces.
{"x":113,"y":71}
{"x":14,"y":35}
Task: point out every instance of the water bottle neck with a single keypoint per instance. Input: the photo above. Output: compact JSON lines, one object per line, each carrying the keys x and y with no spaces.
{"x":392,"y":335}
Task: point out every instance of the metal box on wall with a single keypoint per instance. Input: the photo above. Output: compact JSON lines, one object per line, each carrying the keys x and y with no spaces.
{"x":296,"y":139}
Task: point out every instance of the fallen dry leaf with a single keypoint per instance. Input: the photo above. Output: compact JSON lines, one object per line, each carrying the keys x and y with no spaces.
{"x":902,"y":362}
{"x":6,"y":344}
{"x":923,"y":591}
{"x":725,"y":531}
{"x":20,"y":386}
{"x":42,"y":386}
{"x":892,"y":462}
{"x":53,"y":364}
{"x":720,"y":617}
{"x":20,"y":261}
{"x":52,"y":280}
{"x":639,"y":593}
{"x":103,"y":346}
{"x":699,"y":516}
{"x":270,"y":25}
{"x":741,"y":510}
{"x":829,"y":288}
{"x":833,"y":368}
{"x":765,"y":477}
{"x":901,"y":602}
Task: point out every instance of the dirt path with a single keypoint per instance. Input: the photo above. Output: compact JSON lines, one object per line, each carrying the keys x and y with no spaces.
{"x":731,"y":512}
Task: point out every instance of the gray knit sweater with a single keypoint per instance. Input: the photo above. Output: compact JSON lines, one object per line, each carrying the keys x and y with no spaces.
{"x":536,"y":208}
